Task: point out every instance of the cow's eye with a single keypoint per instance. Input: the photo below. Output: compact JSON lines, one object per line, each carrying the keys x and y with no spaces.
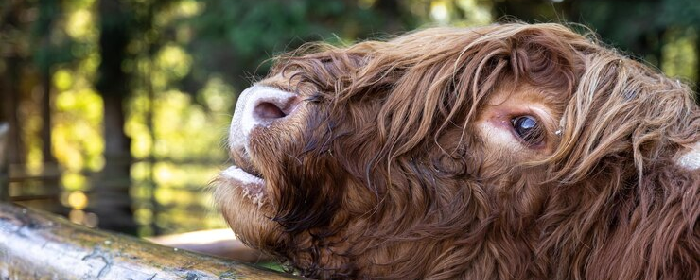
{"x":528,"y":129}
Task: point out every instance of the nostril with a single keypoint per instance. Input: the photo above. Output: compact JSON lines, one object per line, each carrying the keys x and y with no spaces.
{"x":265,"y":106}
{"x":267,"y":112}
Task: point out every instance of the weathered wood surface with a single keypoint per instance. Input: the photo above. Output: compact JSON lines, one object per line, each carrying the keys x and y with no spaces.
{"x":39,"y":245}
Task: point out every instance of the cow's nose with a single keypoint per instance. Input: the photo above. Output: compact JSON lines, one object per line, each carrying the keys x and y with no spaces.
{"x":260,"y":106}
{"x":267,"y":105}
{"x":267,"y":111}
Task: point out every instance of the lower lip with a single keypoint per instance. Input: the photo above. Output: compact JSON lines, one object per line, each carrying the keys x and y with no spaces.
{"x":246,"y":178}
{"x":251,"y":186}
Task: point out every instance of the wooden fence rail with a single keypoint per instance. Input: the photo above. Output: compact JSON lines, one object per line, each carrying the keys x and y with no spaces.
{"x":39,"y":245}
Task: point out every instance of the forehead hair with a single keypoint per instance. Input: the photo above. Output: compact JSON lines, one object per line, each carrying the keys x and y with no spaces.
{"x":429,"y":79}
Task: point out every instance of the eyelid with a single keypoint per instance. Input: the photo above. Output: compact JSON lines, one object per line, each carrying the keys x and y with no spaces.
{"x":500,"y":117}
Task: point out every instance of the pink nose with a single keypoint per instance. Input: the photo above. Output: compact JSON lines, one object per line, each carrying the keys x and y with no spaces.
{"x":259,"y":106}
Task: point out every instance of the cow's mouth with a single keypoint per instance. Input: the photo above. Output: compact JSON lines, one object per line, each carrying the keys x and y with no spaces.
{"x":257,"y":109}
{"x":245,"y":176}
{"x":250,"y":183}
{"x":245,"y":164}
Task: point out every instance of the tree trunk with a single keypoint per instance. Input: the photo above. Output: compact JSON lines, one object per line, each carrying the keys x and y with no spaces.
{"x":49,"y":159}
{"x":48,"y":9}
{"x":697,"y":69}
{"x":4,"y":173}
{"x":112,"y":201}
{"x":38,"y":245}
{"x":16,"y":140}
{"x":7,"y":111}
{"x":10,"y":84}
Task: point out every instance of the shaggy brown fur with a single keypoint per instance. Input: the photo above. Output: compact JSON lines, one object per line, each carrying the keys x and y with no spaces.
{"x":402,"y":162}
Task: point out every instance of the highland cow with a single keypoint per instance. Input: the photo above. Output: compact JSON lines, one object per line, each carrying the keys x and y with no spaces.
{"x":511,"y":151}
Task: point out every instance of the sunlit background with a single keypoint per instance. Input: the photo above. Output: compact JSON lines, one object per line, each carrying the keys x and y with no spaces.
{"x":118,"y":109}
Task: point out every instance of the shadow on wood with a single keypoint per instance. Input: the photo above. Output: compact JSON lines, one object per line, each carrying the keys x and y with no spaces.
{"x":39,"y":245}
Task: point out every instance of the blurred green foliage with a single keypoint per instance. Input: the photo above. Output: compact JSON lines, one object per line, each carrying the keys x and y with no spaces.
{"x":185,"y":61}
{"x":235,"y":39}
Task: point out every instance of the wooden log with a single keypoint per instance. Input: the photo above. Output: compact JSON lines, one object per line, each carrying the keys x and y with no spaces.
{"x":39,"y":245}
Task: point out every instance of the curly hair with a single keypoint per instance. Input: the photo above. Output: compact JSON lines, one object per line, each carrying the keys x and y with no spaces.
{"x":395,"y":167}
